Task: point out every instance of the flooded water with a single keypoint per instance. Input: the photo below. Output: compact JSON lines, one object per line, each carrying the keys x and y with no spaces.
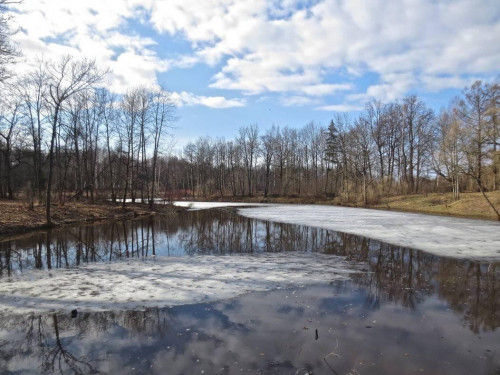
{"x":398,"y":311}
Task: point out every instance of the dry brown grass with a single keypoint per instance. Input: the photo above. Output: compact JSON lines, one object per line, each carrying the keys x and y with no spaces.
{"x":16,"y":217}
{"x":472,"y":205}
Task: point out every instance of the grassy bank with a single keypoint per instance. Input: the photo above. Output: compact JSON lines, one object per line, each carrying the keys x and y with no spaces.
{"x":15,"y":217}
{"x":470,"y":205}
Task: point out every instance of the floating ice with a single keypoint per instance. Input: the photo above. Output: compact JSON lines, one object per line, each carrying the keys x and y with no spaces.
{"x":443,"y":236}
{"x":165,"y":281}
{"x":206,"y":205}
{"x":440,"y":235}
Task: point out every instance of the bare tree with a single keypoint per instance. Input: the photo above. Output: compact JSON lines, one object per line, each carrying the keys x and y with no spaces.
{"x":8,"y":50}
{"x":448,"y":157}
{"x":360,"y":145}
{"x":493,"y":115}
{"x":249,"y":142}
{"x":473,"y":112}
{"x":163,"y":107}
{"x":268,"y":144}
{"x":66,"y":78}
{"x":129,"y":122}
{"x":10,"y":116}
{"x":33,"y":90}
{"x":416,"y":121}
{"x":106,"y":102}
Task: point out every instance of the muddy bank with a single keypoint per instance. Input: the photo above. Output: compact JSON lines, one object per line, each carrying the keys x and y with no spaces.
{"x":16,"y":217}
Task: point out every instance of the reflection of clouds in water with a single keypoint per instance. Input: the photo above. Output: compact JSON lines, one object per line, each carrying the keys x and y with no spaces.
{"x":396,"y":274}
{"x":166,"y":281}
{"x":260,"y":337}
{"x":252,"y":333}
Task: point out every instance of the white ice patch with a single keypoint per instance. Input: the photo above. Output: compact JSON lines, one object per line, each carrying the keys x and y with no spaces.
{"x":193,"y":206}
{"x":443,"y":236}
{"x":165,"y":281}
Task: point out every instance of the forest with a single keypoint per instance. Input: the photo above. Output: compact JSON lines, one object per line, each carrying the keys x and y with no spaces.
{"x":401,"y":147}
{"x":63,"y":136}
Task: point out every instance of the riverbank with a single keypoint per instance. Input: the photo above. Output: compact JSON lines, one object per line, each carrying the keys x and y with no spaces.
{"x":15,"y":217}
{"x":470,"y":205}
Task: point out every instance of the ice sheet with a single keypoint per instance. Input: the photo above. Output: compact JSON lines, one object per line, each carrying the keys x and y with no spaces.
{"x":207,"y":205}
{"x":165,"y":281}
{"x":443,"y":236}
{"x":439,"y":235}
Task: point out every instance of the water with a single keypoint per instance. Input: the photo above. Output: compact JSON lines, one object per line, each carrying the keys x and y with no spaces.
{"x":407,"y":312}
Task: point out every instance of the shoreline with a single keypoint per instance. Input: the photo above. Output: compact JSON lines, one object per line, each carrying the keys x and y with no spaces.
{"x":470,"y":206}
{"x":17,"y":219}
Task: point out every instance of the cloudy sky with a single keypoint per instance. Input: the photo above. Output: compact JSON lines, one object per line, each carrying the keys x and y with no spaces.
{"x":231,"y":63}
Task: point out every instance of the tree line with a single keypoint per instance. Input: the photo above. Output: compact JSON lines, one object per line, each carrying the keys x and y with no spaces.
{"x":64,"y":137}
{"x":402,"y":147}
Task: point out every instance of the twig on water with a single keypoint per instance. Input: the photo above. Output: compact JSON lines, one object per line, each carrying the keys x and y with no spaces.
{"x":330,"y":355}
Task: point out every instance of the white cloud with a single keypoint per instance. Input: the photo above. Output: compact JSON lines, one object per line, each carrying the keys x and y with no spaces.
{"x":282,"y":46}
{"x":189,"y":99}
{"x":277,"y":48}
{"x":50,"y":29}
{"x":340,"y":108}
{"x":436,"y":83}
{"x":325,"y":88}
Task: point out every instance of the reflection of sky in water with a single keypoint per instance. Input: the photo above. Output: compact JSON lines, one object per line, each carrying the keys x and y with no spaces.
{"x":260,"y":333}
{"x":424,"y":312}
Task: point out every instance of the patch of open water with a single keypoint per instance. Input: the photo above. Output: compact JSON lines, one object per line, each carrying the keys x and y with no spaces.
{"x":360,"y":307}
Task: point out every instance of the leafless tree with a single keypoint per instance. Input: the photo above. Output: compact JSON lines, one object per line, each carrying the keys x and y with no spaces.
{"x":33,"y":90}
{"x":163,"y":117}
{"x":8,"y":50}
{"x":10,"y":117}
{"x":249,"y":141}
{"x":447,"y":159}
{"x":473,"y":113}
{"x":66,"y":77}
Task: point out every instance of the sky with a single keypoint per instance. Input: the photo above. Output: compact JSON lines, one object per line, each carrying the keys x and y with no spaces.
{"x":233,"y":63}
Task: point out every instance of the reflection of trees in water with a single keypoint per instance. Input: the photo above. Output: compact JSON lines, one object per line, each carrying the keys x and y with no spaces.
{"x":408,"y":276}
{"x":45,"y":341}
{"x":473,"y":290}
{"x":199,"y":232}
{"x":56,"y":358}
{"x":52,"y":341}
{"x":227,"y":233}
{"x":223,"y":337}
{"x":73,"y":246}
{"x":397,"y":274}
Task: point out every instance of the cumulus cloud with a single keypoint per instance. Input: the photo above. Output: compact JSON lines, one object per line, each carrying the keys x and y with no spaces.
{"x":289,"y":47}
{"x":189,"y":99}
{"x":340,"y":108}
{"x":50,"y":29}
{"x":279,"y":46}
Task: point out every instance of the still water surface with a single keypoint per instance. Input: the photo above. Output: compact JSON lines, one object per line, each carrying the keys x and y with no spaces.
{"x":408,"y":312}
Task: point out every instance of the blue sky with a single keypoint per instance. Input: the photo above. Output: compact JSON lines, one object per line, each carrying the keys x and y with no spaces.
{"x":231,"y":63}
